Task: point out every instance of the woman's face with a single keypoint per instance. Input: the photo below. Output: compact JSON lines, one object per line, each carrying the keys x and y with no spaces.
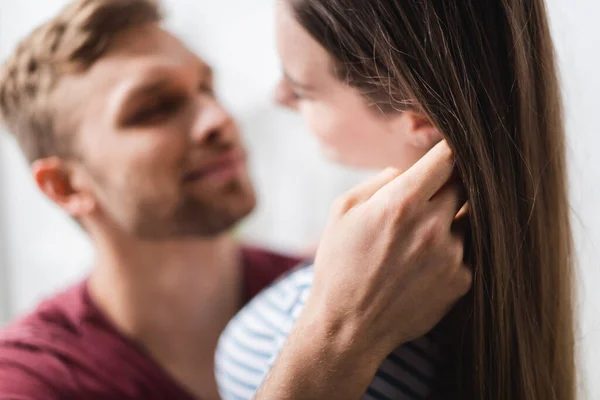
{"x":349,"y":130}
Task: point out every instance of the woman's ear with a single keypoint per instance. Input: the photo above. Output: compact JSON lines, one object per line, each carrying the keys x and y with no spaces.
{"x":54,"y":178}
{"x":417,"y":129}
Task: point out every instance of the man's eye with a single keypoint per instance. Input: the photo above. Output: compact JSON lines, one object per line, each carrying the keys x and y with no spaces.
{"x":156,"y":111}
{"x":206,"y":88}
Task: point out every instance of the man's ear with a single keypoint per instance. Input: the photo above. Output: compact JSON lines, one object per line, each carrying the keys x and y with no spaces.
{"x":417,"y":128}
{"x":55,"y":177}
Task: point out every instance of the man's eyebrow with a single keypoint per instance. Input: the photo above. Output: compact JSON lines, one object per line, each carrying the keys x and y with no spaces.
{"x":145,"y":89}
{"x":134,"y":92}
{"x":295,"y":83}
{"x":149,"y":86}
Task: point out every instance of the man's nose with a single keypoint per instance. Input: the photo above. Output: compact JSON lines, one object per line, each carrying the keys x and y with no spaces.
{"x":211,"y":121}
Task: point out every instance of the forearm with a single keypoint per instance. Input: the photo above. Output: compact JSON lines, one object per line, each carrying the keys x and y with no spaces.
{"x":320,"y":361}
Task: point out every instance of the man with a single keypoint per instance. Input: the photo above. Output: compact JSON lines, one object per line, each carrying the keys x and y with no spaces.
{"x":122,"y":129}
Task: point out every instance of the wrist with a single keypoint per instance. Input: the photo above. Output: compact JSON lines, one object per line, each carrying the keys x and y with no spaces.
{"x":342,"y":339}
{"x":323,"y":358}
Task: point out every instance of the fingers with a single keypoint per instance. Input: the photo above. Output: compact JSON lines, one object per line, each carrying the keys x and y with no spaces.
{"x":426,"y":177}
{"x":449,"y":201}
{"x":368,"y":188}
{"x":463,"y":212}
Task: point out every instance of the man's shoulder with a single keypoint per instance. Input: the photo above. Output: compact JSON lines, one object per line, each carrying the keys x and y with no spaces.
{"x":17,"y":383}
{"x":26,"y":373}
{"x":67,"y":349}
{"x":32,"y":362}
{"x":56,"y":316}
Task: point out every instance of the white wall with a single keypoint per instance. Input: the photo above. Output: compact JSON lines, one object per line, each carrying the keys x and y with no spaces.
{"x":45,"y":251}
{"x":4,"y":278}
{"x":577,"y":37}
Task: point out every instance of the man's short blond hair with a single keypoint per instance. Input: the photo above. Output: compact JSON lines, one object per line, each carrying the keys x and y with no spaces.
{"x":70,"y":42}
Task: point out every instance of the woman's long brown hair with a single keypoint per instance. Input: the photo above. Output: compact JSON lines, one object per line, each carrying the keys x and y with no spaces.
{"x":484,"y":72}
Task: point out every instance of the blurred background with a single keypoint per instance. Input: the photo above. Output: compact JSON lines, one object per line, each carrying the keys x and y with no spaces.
{"x":42,"y":251}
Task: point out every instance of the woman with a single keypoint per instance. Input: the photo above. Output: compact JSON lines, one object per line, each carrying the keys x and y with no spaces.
{"x":380,"y":82}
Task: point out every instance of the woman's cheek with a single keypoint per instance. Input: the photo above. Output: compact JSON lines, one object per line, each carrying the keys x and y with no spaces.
{"x":321,"y":121}
{"x":341,"y":135}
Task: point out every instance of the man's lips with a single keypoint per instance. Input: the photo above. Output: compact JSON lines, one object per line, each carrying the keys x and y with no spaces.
{"x":222,"y":167}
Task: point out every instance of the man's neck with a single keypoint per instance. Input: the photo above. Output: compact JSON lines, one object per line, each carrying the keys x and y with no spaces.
{"x":173,"y":298}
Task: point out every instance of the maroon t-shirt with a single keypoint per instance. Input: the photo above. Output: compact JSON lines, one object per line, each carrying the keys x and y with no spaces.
{"x":67,"y":349}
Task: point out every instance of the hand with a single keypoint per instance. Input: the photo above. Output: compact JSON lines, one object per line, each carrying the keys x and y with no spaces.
{"x":389,"y":266}
{"x":388,"y":269}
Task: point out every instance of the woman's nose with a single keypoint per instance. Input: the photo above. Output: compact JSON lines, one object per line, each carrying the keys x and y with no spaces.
{"x":282,"y":95}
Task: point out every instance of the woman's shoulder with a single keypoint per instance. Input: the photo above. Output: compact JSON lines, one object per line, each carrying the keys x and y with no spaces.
{"x":273,"y":311}
{"x":299,"y":278}
{"x":262,"y":267}
{"x":252,"y":340}
{"x":281,"y":303}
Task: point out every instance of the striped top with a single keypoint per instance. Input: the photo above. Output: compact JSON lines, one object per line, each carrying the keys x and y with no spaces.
{"x":253,"y":339}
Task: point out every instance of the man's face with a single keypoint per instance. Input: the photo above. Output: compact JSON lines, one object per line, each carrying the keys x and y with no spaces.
{"x":158,"y":153}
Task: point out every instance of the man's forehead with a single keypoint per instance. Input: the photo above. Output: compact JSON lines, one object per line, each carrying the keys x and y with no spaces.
{"x":140,"y":51}
{"x":146,"y":50}
{"x":145,"y":39}
{"x":138,"y":70}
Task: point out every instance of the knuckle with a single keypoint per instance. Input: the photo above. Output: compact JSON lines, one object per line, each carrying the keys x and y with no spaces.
{"x":437,"y":224}
{"x":446,"y":154}
{"x":397,"y":213}
{"x":343,"y":204}
{"x":391,"y":210}
{"x":402,"y":212}
{"x":432,"y":231}
{"x":408,"y":202}
{"x":382,"y":214}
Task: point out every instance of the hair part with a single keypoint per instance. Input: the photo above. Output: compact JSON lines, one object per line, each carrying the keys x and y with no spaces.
{"x":485,"y":76}
{"x":69,"y":43}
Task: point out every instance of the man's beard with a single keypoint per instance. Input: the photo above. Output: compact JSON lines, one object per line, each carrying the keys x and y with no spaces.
{"x":141,"y":211}
{"x":194,"y":217}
